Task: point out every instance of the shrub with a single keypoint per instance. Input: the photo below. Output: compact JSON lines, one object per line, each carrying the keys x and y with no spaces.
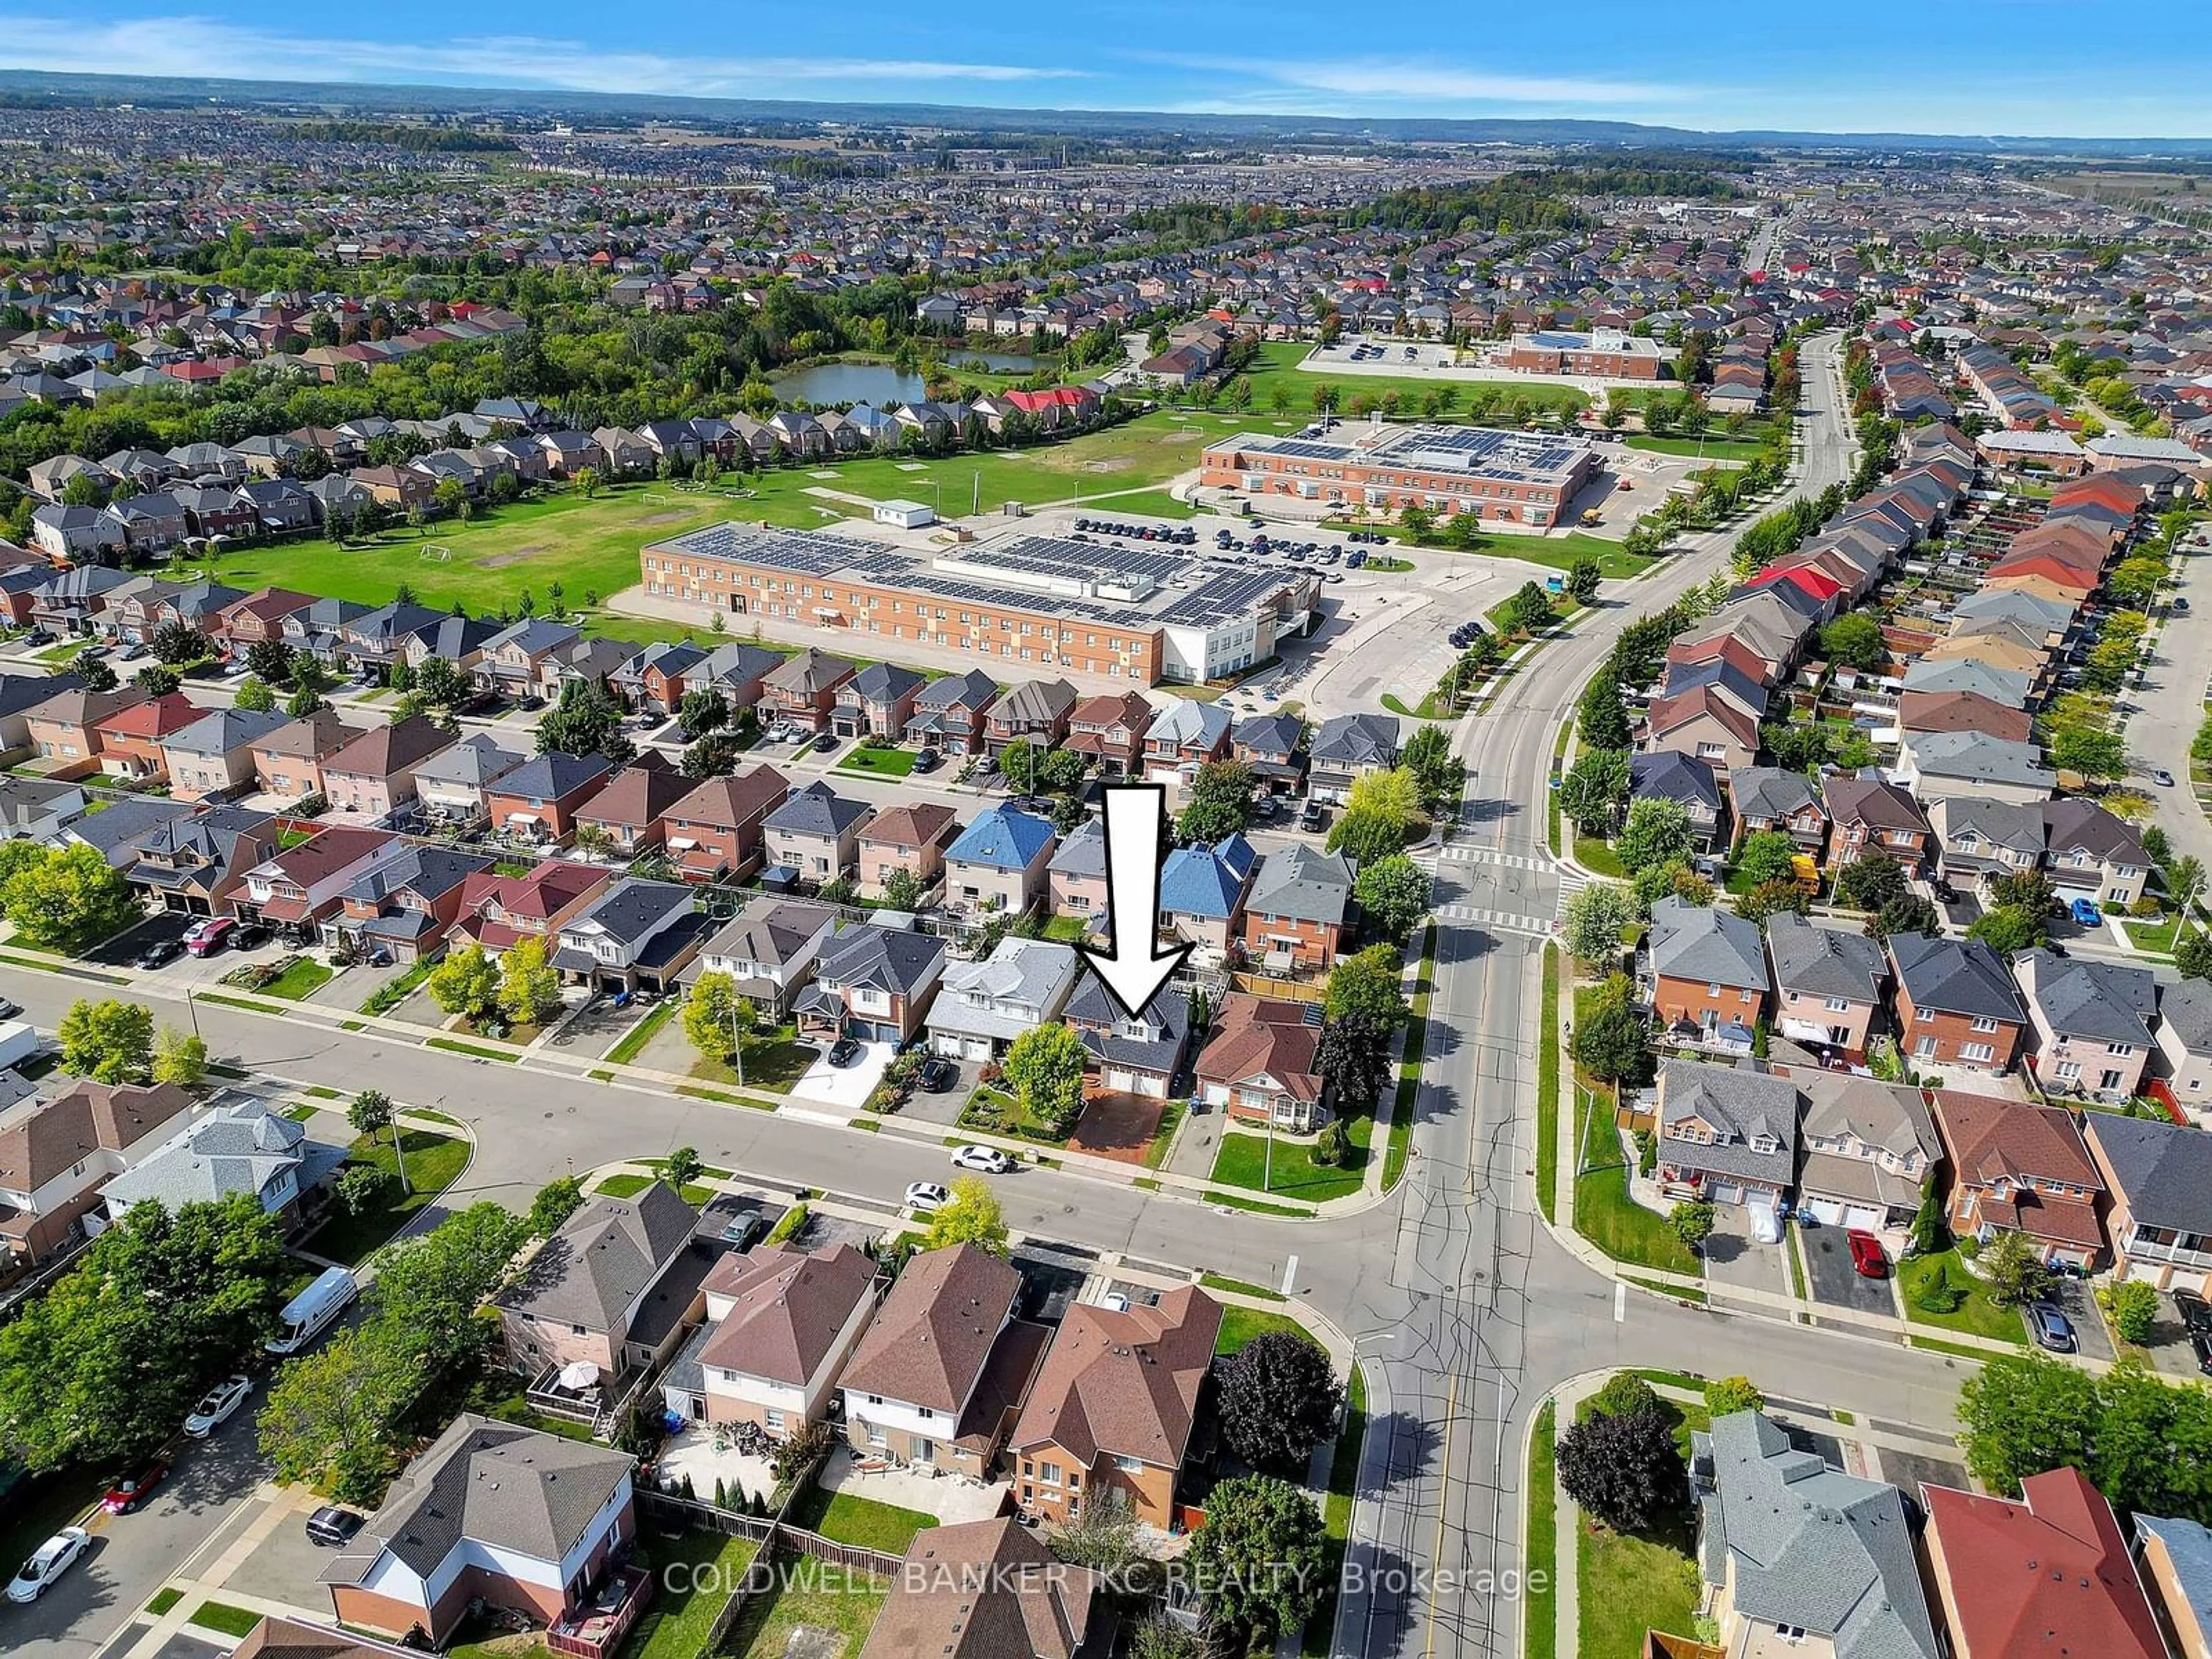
{"x":1625,"y":1392}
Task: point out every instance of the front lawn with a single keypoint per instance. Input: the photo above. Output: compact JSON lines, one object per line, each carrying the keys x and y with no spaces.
{"x":812,"y":1608}
{"x":2153,"y":936}
{"x":1630,"y":1582}
{"x":1286,"y":1171}
{"x":302,"y":976}
{"x":996,"y":1111}
{"x":1539,"y":1621}
{"x":1976,"y":1314}
{"x":1604,"y":1212}
{"x":634,"y":1039}
{"x":1597,"y":856}
{"x":223,"y":1618}
{"x":1240,"y":1325}
{"x":857,"y":1521}
{"x":775,"y":1059}
{"x":676,"y":1623}
{"x":433,"y":1163}
{"x":879,"y":763}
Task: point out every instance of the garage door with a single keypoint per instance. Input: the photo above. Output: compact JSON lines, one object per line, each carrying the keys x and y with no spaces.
{"x":950,"y":1046}
{"x":1152,"y":1088}
{"x":1864,"y":1216}
{"x":1725,"y":1192}
{"x":978,"y":1048}
{"x":1124,"y":1082}
{"x":1827,"y":1212}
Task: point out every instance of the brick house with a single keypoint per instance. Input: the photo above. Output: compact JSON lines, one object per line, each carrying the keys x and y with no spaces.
{"x":1075,"y":876}
{"x":540,"y":800}
{"x":2158,"y":1198}
{"x":613,"y":1287}
{"x":2022,"y":1169}
{"x":64,"y":729}
{"x":1870,"y":815}
{"x":498,"y":912}
{"x":781,"y":1325}
{"x":1109,"y":732}
{"x":815,"y":832}
{"x":910,"y":836}
{"x":877,"y":701}
{"x":950,"y":713}
{"x":131,"y":740}
{"x":56,"y":1153}
{"x":214,"y":755}
{"x":1956,"y":1004}
{"x":632,"y":811}
{"x":713,"y":834}
{"x":803,"y":693}
{"x":407,"y":905}
{"x":1828,"y":984}
{"x":374,"y":774}
{"x":287,"y":760}
{"x":1708,"y":973}
{"x":2091,"y":1023}
{"x":1261,"y":1064}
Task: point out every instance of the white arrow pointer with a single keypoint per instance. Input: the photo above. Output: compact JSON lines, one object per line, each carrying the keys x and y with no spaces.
{"x":1133,"y":968}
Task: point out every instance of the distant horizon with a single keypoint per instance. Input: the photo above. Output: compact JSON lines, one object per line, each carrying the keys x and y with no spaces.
{"x":1967,"y":73}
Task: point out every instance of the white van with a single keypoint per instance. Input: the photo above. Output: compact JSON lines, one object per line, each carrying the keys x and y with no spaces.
{"x":306,"y":1314}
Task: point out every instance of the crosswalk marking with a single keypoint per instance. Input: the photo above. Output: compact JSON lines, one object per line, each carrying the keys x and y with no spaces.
{"x":1502,"y":920}
{"x":1459,"y":853}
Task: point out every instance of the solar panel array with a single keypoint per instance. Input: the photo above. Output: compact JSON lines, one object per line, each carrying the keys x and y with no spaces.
{"x":1510,"y":457}
{"x":1053,"y":555}
{"x":801,"y":552}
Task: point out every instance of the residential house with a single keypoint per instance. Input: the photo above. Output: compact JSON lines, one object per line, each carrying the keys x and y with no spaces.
{"x":976,"y":1589}
{"x":1037,"y":710}
{"x":522,"y":659}
{"x":2090,"y":851}
{"x":949,"y":714}
{"x":877,"y":701}
{"x":2093,"y":1022}
{"x":498,"y":912}
{"x":1185,"y":736}
{"x":133,"y":740}
{"x":298,"y":888}
{"x":1347,"y":748}
{"x":803,"y":693}
{"x":56,"y":1152}
{"x":2047,"y":1571}
{"x":1262,"y":1063}
{"x":941,"y":1371}
{"x":2158,"y":1198}
{"x":2183,"y":1036}
{"x":288,"y":758}
{"x":1075,"y":877}
{"x":769,"y":949}
{"x":373,"y":776}
{"x":1686,"y":779}
{"x":1704,"y":721}
{"x":982,"y":1006}
{"x":21,"y":694}
{"x":1963,"y":711}
{"x":654,"y":681}
{"x":196,"y":861}
{"x":627,"y":818}
{"x":1114,"y":1407}
{"x":1299,"y":912}
{"x":450,"y":785}
{"x":1109,"y":732}
{"x":490,"y":1513}
{"x":911,"y":836}
{"x":998,"y":863}
{"x":214,"y":756}
{"x":1274,"y":746}
{"x":1765,"y":799}
{"x":243,"y":1146}
{"x":1982,"y":840}
{"x":2173,"y":1561}
{"x":736,"y":670}
{"x":1935,"y":764}
{"x":406,"y":905}
{"x":714,"y":833}
{"x":1956,"y":1004}
{"x":65,"y":728}
{"x":781,"y":1325}
{"x":1867,"y":1149}
{"x":614,"y":1286}
{"x":1828,"y":984}
{"x":1708,"y":972}
{"x":1202,"y":892}
{"x":1871,"y":815}
{"x":1139,"y":1053}
{"x":1792,"y":1551}
{"x":635,"y":936}
{"x":1726,"y":1133}
{"x":539,"y":800}
{"x":2021,"y":1169}
{"x":815,"y":833}
{"x":38,"y":809}
{"x":873,"y":982}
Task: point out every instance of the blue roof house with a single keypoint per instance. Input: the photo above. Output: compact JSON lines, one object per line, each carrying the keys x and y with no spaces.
{"x":1202,"y":895}
{"x":999,"y":862}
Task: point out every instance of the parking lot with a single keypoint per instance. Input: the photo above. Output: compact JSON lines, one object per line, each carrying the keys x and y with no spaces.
{"x":1830,"y":1278}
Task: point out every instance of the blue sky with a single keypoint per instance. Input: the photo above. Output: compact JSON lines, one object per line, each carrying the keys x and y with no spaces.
{"x":2081,"y":68}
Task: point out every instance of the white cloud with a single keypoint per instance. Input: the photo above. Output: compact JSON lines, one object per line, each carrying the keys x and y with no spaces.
{"x":189,"y":45}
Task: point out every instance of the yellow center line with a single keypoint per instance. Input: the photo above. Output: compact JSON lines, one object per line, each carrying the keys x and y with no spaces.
{"x":1443,"y":1507}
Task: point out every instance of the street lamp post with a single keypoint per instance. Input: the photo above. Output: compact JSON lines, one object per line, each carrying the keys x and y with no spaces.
{"x":737,"y":1040}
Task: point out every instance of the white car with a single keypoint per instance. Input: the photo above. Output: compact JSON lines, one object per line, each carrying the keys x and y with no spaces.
{"x":216,"y":1406}
{"x":55,"y":1557}
{"x":925,"y":1197}
{"x":989,"y":1159}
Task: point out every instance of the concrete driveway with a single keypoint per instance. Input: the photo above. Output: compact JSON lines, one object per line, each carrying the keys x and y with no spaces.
{"x":2074,"y":1299}
{"x":1735,"y":1260}
{"x":846,"y":1088}
{"x":1831,"y":1278}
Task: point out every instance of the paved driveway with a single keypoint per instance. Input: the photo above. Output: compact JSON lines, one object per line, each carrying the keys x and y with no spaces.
{"x":1734,"y":1260}
{"x":2072,"y":1295}
{"x":1831,"y":1278}
{"x":846,"y":1087}
{"x":285,"y":1567}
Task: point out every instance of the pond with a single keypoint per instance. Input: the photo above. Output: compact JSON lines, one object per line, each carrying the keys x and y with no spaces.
{"x":880,"y":382}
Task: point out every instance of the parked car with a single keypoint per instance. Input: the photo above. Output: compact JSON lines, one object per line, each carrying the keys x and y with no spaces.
{"x":206,"y":936}
{"x":160,"y":954}
{"x":927,"y":1197}
{"x":1314,"y":817}
{"x":331,"y":1527}
{"x":54,"y":1557}
{"x":2052,"y":1329}
{"x":2084,"y":911}
{"x":10,"y":1007}
{"x":1868,"y":1258}
{"x":126,"y":1493}
{"x":2195,"y":1312}
{"x":2180,"y":603}
{"x":218,"y":1405}
{"x":2161,"y":777}
{"x":989,"y":1159}
{"x":938,"y":1075}
{"x":827,"y":741}
{"x":846,"y":1050}
{"x":926,"y":761}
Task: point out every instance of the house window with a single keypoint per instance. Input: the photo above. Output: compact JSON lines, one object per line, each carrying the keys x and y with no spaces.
{"x":1978,"y":1053}
{"x":774,"y":1417}
{"x":1049,"y":1473}
{"x":876,"y":1437}
{"x":1983,"y":1024}
{"x":578,"y":1330}
{"x":2067,"y":1071}
{"x":1925,"y":1048}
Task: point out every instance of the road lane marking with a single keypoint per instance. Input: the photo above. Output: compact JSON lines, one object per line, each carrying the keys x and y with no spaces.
{"x":1619,"y":1303}
{"x":1290,"y":1276}
{"x":1444,"y":1504}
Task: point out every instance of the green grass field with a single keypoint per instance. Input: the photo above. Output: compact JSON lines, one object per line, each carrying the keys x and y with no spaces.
{"x":1240,"y":1325}
{"x":811,"y":1608}
{"x":858,"y":1521}
{"x":1278,"y":365}
{"x":879,"y":763}
{"x":1976,"y":1316}
{"x":434,"y":1161}
{"x":1243,"y":1161}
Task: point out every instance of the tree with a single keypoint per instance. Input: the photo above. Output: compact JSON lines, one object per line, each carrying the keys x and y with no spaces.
{"x":1657,"y":832}
{"x":109,"y":1042}
{"x":557,"y":1201}
{"x":1853,"y":640}
{"x":1220,"y":801}
{"x":1440,"y":774}
{"x":1770,"y":898}
{"x":718,"y":1018}
{"x":270,"y":661}
{"x":1105,"y":1537}
{"x":1278,"y":1400}
{"x":108,"y":1360}
{"x":1766,"y":856}
{"x":1929,"y":1232}
{"x":1525,"y":611}
{"x":586,"y":720}
{"x":703,"y":710}
{"x":2009,"y":929}
{"x":529,"y":986}
{"x":1368,"y":984}
{"x":1582,"y":581}
{"x":433,"y":1286}
{"x":971,"y":1217}
{"x":371,"y":1113}
{"x":1612,"y":1041}
{"x":1625,"y":1472}
{"x":1352,"y":1060}
{"x":1625,"y":1394}
{"x":304,"y":702}
{"x":2023,"y":1413}
{"x":1869,"y":882}
{"x":2132,"y":1306}
{"x":1018,"y":765}
{"x":2012,"y":1270}
{"x":1691,"y":1221}
{"x":331,"y":1415}
{"x":2135,"y":579}
{"x":1595,"y":919}
{"x":902,"y":890}
{"x":1727,"y":1395}
{"x":97,"y":673}
{"x":1263,"y":1555}
{"x":466,"y":982}
{"x":1595,"y":789}
{"x":1908,"y":913}
{"x":1601,"y":716}
{"x":365,"y":1188}
{"x":1378,"y":817}
{"x":254,"y":695}
{"x":157,"y":681}
{"x":1044,"y":1067}
{"x":180,"y":1058}
{"x":2099,"y":757}
{"x":177,"y":643}
{"x":1395,"y":894}
{"x":66,"y":898}
{"x":2192,"y":955}
{"x":682,"y":1167}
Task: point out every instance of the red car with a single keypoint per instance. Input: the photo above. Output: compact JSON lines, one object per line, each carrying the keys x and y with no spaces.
{"x":205,"y":938}
{"x":1867,"y":1256}
{"x":135,"y":1487}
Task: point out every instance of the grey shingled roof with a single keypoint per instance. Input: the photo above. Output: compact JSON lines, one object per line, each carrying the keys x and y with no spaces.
{"x":818,"y":810}
{"x":1356,"y":740}
{"x":602,"y":1258}
{"x":1302,"y":883}
{"x":2185,"y":1010}
{"x":1695,"y":942}
{"x":2164,"y":1170}
{"x":1663,"y":774}
{"x":1768,"y":792}
{"x":2106,"y":1001}
{"x":241,"y":1147}
{"x":1741,"y":1105}
{"x":1977,"y":757}
{"x":1814,"y":1548}
{"x":1955,"y":976}
{"x":1825,"y":962}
